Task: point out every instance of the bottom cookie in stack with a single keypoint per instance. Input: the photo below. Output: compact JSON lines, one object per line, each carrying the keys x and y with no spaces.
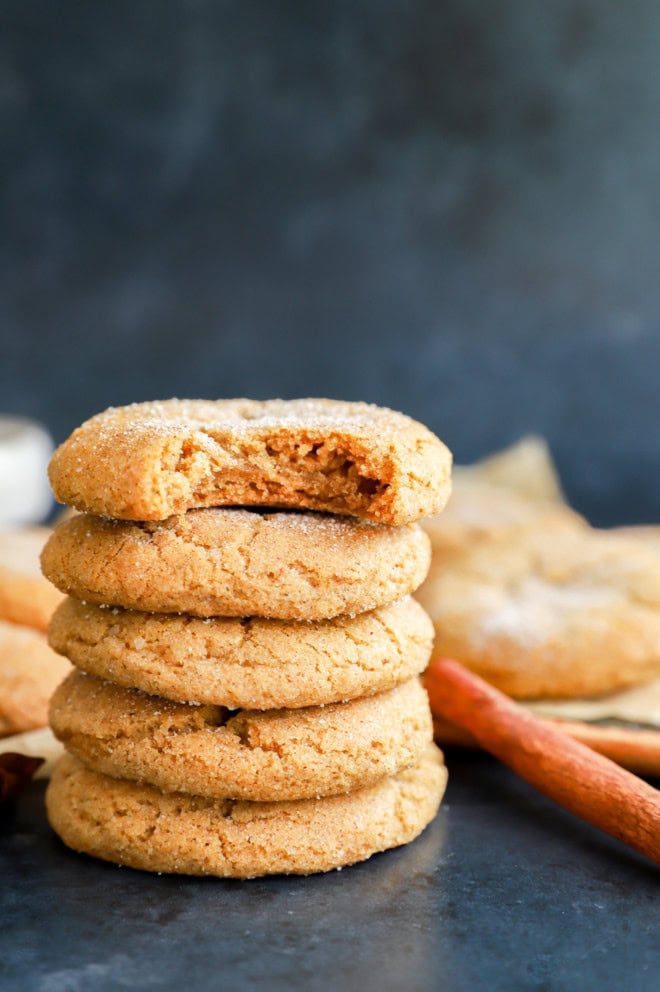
{"x":138,"y":826}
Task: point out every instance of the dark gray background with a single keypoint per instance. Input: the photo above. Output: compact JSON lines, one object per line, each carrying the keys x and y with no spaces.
{"x":449,"y":208}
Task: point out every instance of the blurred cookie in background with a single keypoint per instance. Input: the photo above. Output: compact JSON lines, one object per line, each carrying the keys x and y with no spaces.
{"x":26,"y":596}
{"x":549,"y":611}
{"x":29,"y":669}
{"x":556,"y":613}
{"x":29,"y":673}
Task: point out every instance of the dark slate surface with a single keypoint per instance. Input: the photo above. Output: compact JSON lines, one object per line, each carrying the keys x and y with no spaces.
{"x":503,"y":892}
{"x":452,"y":209}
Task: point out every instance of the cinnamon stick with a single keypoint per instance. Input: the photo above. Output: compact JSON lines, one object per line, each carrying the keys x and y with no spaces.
{"x":634,"y":749}
{"x":582,"y":781}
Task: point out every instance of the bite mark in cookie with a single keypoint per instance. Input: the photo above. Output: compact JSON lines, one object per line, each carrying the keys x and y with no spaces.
{"x":150,"y":461}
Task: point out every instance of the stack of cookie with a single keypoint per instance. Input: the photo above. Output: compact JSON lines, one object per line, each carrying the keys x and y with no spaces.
{"x":246,"y":697}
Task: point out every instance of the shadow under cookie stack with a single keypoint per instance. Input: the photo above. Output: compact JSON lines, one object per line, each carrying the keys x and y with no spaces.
{"x":246,"y":697}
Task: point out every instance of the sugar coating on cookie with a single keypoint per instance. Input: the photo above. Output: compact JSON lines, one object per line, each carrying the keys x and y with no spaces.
{"x":228,"y":562}
{"x":555,"y":611}
{"x":244,"y":754}
{"x":249,"y":663}
{"x":25,"y":596}
{"x":140,"y":827}
{"x":29,"y":672}
{"x":149,"y":461}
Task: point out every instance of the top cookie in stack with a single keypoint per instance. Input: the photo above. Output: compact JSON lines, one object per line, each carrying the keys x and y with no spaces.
{"x":151,"y":460}
{"x":259,"y":557}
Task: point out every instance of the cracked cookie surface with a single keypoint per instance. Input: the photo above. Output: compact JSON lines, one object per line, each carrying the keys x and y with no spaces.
{"x":251,"y":663}
{"x":149,"y":461}
{"x":137,"y":826}
{"x":246,"y":754}
{"x":231,"y":562}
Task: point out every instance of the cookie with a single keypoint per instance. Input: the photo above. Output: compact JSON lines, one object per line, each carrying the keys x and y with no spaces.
{"x":553,"y":611}
{"x":246,"y":754}
{"x":150,"y":461}
{"x":224,"y":562}
{"x":137,"y":826}
{"x":26,"y":597}
{"x":246,"y":664}
{"x":29,"y":672}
